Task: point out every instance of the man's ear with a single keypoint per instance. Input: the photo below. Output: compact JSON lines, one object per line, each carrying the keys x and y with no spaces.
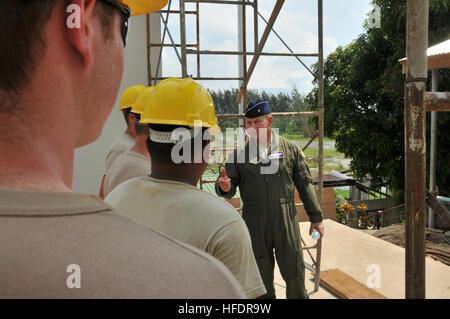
{"x":131,"y":118}
{"x":80,"y":23}
{"x":270,"y":119}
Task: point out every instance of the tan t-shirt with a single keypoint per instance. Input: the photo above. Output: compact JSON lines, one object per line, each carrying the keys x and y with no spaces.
{"x":127,"y":165}
{"x":52,"y":243}
{"x":122,"y":143}
{"x":195,"y":217}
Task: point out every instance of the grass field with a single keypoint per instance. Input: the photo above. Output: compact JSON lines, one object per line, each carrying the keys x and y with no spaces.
{"x":342,"y":193}
{"x":332,"y":159}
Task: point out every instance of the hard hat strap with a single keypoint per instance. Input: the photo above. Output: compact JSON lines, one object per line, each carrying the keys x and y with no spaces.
{"x":173,"y":137}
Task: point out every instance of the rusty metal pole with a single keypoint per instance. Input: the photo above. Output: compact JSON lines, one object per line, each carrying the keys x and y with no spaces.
{"x":321,"y":131}
{"x":415,"y":150}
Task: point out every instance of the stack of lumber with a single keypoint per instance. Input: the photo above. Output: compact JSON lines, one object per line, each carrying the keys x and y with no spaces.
{"x":435,"y":245}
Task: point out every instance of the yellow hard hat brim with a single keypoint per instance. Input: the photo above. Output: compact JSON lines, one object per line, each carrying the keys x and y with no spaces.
{"x":175,"y":122}
{"x":214,"y":129}
{"x":123,"y":107}
{"x":139,"y":7}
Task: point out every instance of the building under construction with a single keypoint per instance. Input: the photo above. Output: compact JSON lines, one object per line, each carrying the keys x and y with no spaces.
{"x":347,"y":263}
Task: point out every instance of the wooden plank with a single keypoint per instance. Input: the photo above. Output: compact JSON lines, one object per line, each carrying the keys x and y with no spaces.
{"x":235,"y":202}
{"x":437,"y":101}
{"x":329,"y":205}
{"x":345,"y":286}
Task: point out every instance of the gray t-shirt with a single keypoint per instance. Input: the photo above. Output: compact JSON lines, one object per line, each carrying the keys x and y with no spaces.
{"x":122,"y":143}
{"x":126,"y":166}
{"x":194,"y":217}
{"x":53,"y":242}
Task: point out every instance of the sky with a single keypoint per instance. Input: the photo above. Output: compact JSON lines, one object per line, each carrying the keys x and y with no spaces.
{"x":296,"y":24}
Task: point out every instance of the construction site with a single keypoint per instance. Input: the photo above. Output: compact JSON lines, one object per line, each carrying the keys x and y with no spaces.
{"x":372,"y":248}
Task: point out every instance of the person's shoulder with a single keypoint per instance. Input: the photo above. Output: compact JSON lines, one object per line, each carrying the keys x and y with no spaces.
{"x":119,"y":156}
{"x":129,"y":187}
{"x":132,"y":160}
{"x":159,"y":256}
{"x":122,"y":258}
{"x":216,"y":206}
{"x":167,"y":252}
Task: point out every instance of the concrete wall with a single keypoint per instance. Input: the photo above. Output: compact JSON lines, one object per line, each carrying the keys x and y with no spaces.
{"x":89,"y":161}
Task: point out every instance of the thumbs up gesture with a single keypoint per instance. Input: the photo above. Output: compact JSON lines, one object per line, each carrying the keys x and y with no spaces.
{"x":224,"y":181}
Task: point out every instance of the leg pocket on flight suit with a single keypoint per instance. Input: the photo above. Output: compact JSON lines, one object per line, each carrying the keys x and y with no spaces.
{"x":291,"y":228}
{"x":289,"y":210}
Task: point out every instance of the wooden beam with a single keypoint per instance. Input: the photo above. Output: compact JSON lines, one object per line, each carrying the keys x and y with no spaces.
{"x":437,"y":101}
{"x":346,"y":287}
{"x":274,"y":114}
{"x":438,"y":208}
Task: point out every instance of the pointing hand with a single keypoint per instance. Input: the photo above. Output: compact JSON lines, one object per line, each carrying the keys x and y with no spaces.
{"x":224,"y":181}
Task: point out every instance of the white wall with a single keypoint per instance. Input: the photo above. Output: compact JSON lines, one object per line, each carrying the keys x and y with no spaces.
{"x":89,"y":161}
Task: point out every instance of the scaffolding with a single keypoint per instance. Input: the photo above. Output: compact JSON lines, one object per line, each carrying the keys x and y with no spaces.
{"x":246,"y":72}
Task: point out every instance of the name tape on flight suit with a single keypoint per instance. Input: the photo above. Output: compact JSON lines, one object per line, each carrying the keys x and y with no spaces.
{"x":276,"y":155}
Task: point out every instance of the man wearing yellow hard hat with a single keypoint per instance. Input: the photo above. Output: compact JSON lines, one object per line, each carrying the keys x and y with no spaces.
{"x":180,"y":114}
{"x":126,"y":139}
{"x":135,"y":161}
{"x":57,"y":88}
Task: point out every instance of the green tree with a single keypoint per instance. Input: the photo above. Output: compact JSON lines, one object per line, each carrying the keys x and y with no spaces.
{"x":364,"y":97}
{"x":225,"y":103}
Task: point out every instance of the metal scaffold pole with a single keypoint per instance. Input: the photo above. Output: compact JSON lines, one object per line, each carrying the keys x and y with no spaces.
{"x":183,"y":40}
{"x":321,"y":131}
{"x":433,"y":145}
{"x":415,"y":150}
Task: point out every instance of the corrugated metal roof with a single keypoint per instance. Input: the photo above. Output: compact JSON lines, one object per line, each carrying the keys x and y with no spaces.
{"x":441,"y":48}
{"x":438,"y":49}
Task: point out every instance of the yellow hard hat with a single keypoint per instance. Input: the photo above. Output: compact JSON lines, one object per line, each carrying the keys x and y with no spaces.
{"x":130,"y":95}
{"x":139,"y":105}
{"x":139,"y":7}
{"x":179,"y":102}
